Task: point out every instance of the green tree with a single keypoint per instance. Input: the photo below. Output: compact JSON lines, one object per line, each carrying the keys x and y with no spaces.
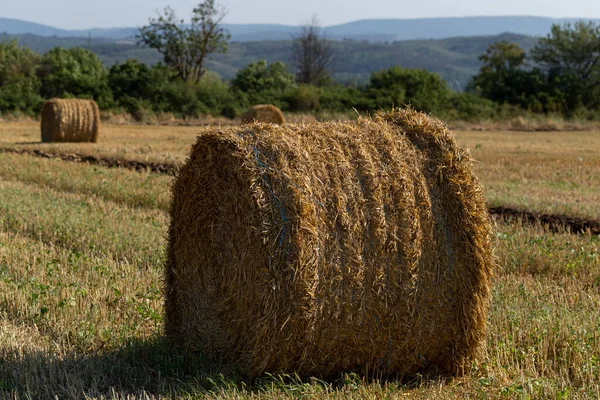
{"x":305,"y":98}
{"x":74,"y":72}
{"x":185,"y":48}
{"x":130,"y":78}
{"x":263,"y":83}
{"x":396,"y":86}
{"x":172,"y":95}
{"x":504,"y":76}
{"x":570,"y":56}
{"x":18,"y":80}
{"x":501,"y":64}
{"x":130,"y":84}
{"x":571,"y":48}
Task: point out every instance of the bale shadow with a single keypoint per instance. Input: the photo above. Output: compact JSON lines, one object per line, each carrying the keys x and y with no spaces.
{"x":152,"y":368}
{"x":140,"y":368}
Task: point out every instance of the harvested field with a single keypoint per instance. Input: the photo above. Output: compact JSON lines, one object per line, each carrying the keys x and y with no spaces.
{"x":555,"y":222}
{"x":82,"y":248}
{"x":540,"y":172}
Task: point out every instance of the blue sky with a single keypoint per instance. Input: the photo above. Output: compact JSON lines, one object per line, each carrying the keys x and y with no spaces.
{"x":81,"y":14}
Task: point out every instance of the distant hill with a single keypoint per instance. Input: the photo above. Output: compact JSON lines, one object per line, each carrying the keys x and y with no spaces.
{"x":375,"y":30}
{"x":442,"y":28}
{"x":455,"y":59}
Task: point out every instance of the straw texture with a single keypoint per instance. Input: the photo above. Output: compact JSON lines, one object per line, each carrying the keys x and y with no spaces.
{"x":263,"y":113}
{"x":70,"y":120}
{"x":329,"y":247}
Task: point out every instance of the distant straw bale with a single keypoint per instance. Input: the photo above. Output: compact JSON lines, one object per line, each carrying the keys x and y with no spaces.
{"x":70,"y":120}
{"x":263,"y":113}
{"x":329,"y":247}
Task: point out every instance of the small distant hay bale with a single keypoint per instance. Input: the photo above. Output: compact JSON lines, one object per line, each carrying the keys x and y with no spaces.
{"x":263,"y":113}
{"x":328,"y":247}
{"x":70,"y":120}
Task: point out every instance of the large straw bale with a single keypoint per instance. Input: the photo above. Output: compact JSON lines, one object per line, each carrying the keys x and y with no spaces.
{"x":329,"y":247}
{"x":70,"y":120}
{"x":263,"y":113}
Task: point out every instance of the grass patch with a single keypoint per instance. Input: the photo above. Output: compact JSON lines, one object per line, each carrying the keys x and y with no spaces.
{"x":545,"y":172}
{"x":85,"y":224}
{"x":135,"y":189}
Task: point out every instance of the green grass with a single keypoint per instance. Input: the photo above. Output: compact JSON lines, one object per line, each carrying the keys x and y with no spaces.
{"x":81,"y":303}
{"x":85,"y":224}
{"x":135,"y":189}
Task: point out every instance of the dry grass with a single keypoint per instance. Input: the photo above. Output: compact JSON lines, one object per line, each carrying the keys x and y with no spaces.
{"x":529,"y":124}
{"x":161,"y":144}
{"x":81,"y":264}
{"x":550,"y":172}
{"x":135,"y":189}
{"x":81,"y":307}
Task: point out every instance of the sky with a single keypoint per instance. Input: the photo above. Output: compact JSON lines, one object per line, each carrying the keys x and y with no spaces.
{"x":83,"y":14}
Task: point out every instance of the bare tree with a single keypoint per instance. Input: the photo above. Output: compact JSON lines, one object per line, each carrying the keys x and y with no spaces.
{"x":313,"y":54}
{"x":186,"y":47}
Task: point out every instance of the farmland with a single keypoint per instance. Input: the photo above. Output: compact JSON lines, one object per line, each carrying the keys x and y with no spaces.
{"x":82,"y":249}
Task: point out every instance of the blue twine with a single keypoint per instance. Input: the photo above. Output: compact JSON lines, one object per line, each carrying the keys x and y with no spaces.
{"x":263,"y":168}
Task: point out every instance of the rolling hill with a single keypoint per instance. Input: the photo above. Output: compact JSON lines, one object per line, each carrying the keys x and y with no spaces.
{"x":375,"y":30}
{"x":455,"y":59}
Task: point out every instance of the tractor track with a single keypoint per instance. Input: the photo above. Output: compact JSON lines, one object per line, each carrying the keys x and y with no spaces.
{"x":140,"y":166}
{"x":554,"y":222}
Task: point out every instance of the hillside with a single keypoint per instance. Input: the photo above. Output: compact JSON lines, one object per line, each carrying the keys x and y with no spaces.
{"x":455,"y":59}
{"x":375,"y":30}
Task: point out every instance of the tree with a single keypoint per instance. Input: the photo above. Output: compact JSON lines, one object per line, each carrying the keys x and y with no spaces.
{"x":186,"y":47}
{"x":130,"y":85}
{"x":263,"y":83}
{"x":502,"y":73}
{"x":505,"y":78}
{"x":18,"y":80}
{"x":395,"y":86}
{"x":570,"y":56}
{"x":313,"y":55}
{"x":502,"y":56}
{"x":74,"y":72}
{"x":571,"y":48}
{"x":130,"y":78}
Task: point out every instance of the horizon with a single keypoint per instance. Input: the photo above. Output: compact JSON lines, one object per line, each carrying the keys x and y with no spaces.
{"x":78,"y":15}
{"x":322,"y":25}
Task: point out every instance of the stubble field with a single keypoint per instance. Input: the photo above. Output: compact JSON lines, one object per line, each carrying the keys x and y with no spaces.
{"x":82,"y":253}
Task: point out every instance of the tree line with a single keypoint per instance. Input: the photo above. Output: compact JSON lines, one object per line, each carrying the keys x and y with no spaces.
{"x":560,"y":75}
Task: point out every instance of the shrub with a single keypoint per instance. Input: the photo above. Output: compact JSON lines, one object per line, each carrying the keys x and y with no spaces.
{"x":18,"y":79}
{"x":74,"y":72}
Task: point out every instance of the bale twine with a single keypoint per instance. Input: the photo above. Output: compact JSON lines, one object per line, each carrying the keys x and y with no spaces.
{"x":263,"y":113}
{"x":328,"y":247}
{"x":70,"y":120}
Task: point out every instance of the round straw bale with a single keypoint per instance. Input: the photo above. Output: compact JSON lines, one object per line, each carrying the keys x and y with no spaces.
{"x":70,"y":120}
{"x":329,"y":247}
{"x":263,"y":113}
